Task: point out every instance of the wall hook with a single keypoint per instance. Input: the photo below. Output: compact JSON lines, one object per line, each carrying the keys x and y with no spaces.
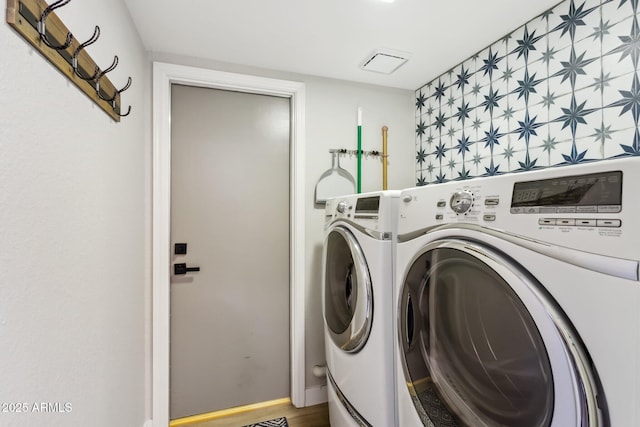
{"x":125,"y":87}
{"x":110,"y":68}
{"x":125,"y":114}
{"x":74,"y":63}
{"x":42,"y":26}
{"x":113,"y":101}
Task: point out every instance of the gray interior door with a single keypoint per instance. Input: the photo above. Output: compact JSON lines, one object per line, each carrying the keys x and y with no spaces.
{"x":230,"y":205}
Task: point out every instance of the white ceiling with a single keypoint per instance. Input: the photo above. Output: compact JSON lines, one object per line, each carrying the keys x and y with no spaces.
{"x":330,"y":38}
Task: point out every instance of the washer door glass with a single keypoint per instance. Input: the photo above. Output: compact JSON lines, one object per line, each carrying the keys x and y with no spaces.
{"x":473,"y":355}
{"x":348,"y":300}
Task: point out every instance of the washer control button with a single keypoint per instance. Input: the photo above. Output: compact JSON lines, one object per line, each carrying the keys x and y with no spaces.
{"x":566,"y":221}
{"x":441,"y":203}
{"x":547,"y":221}
{"x":586,"y":209}
{"x":491,"y":201}
{"x":548,"y":210}
{"x":566,"y":209}
{"x":586,"y":222}
{"x":609,"y":223}
{"x":609,"y":208}
{"x":439,"y":216}
{"x":489,"y":217}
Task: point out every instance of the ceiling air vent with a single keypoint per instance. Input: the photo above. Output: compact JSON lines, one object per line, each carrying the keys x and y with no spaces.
{"x":384,"y":61}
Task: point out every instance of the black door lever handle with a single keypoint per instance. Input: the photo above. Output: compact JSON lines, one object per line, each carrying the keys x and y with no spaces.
{"x":179,"y":269}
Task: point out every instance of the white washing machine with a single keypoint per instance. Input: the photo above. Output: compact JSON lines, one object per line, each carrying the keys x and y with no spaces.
{"x":358,"y":308}
{"x":518,"y":299}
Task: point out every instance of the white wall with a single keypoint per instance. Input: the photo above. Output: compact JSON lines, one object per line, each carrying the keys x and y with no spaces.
{"x":73,"y":226}
{"x":331,"y":120}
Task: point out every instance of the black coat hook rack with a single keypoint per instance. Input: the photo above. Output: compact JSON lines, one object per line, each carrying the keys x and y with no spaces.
{"x":37,"y":23}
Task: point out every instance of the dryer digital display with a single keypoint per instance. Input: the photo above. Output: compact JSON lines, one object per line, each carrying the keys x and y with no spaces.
{"x":368,"y":205}
{"x":596,"y":192}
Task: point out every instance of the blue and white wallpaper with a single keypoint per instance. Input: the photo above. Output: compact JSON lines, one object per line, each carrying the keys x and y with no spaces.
{"x":561,"y":90}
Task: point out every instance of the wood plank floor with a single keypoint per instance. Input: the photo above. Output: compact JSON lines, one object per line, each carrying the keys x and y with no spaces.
{"x":312,"y":416}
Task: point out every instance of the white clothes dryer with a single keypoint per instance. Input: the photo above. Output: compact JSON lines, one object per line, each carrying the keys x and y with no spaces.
{"x":358,"y":308}
{"x":518,"y":299}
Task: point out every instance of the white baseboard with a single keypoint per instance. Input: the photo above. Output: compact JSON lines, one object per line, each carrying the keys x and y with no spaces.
{"x":315,"y":395}
{"x":148,"y":423}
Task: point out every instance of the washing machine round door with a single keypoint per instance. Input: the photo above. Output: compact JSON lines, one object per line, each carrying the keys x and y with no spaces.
{"x":484,"y":345}
{"x":348,"y":299}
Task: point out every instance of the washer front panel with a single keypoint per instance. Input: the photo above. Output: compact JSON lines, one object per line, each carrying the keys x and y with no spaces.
{"x":564,"y":238}
{"x":482,"y":343}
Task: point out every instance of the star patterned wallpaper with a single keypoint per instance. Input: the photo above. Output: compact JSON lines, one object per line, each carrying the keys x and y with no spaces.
{"x":562,"y":89}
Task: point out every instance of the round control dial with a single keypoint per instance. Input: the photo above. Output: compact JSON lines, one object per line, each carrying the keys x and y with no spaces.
{"x":342,"y":206}
{"x":461,"y":201}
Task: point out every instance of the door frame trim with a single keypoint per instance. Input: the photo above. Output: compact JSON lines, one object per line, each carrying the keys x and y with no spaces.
{"x":164,"y":75}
